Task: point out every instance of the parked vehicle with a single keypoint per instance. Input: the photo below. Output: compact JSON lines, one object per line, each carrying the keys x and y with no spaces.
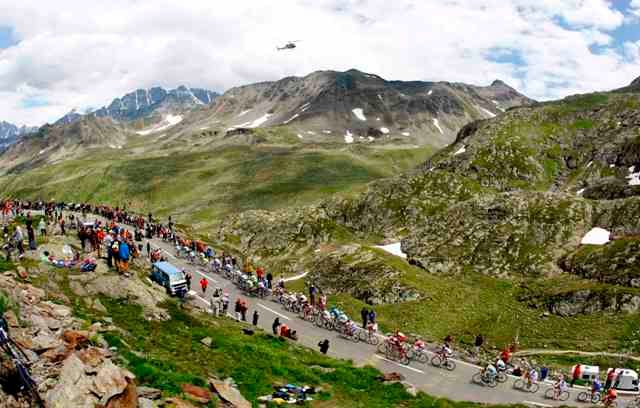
{"x":170,"y":277}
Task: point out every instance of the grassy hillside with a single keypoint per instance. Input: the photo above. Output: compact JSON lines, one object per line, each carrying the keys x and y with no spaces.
{"x":492,"y":226}
{"x":201,"y":187}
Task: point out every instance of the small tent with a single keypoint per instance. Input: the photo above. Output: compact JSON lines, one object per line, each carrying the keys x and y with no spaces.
{"x":626,"y":380}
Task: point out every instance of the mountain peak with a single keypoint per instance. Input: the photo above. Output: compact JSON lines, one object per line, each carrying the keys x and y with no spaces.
{"x":635,"y":83}
{"x":499,"y":82}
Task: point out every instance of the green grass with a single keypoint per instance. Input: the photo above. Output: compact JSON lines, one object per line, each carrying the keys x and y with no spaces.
{"x":468,"y":304}
{"x":203,"y":187}
{"x":169,"y":353}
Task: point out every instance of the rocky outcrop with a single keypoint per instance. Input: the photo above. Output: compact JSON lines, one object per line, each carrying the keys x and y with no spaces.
{"x":362,"y":272}
{"x":68,"y":370}
{"x":615,"y":263}
{"x":593,"y":301}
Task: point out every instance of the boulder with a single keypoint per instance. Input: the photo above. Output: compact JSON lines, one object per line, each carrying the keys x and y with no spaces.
{"x":111,"y":380}
{"x":149,"y":393}
{"x":207,"y":341}
{"x":145,"y":403}
{"x":73,"y":388}
{"x":178,"y":403}
{"x":92,"y":356}
{"x":45,"y":341}
{"x":229,"y":394}
{"x":197,"y":394}
{"x":127,"y":399}
{"x":75,"y":339}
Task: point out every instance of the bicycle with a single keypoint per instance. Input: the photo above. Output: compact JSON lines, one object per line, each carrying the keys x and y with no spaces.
{"x":27,"y":386}
{"x":397,"y":354}
{"x":441,"y":361}
{"x":369,"y":337}
{"x":523,"y":385}
{"x":483,"y":379}
{"x":562,"y":396}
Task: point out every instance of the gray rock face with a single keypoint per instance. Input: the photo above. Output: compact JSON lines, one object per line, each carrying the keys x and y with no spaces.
{"x":10,"y":133}
{"x":368,"y":106}
{"x":143,"y":102}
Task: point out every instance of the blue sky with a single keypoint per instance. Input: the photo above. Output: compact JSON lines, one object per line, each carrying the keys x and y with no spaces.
{"x":6,"y":37}
{"x":57,"y":56}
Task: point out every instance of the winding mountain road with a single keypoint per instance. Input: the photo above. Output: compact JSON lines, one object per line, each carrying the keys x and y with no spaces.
{"x":454,"y":385}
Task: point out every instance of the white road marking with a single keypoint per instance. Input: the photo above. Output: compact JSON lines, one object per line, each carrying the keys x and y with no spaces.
{"x":167,"y":252}
{"x":539,"y":404}
{"x":400,"y":365}
{"x":273,"y":311}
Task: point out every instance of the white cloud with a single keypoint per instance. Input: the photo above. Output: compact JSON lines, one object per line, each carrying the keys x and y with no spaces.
{"x":634,"y":7}
{"x":76,"y":54}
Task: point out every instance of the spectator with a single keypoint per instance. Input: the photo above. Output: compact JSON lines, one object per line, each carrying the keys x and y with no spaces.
{"x":324,"y":346}
{"x":577,"y":372}
{"x":256,"y":316}
{"x":275,"y":326}
{"x":479,"y":342}
{"x":364,"y":313}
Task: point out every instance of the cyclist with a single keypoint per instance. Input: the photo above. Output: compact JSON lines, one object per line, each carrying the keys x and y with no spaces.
{"x":610,"y":397}
{"x":489,"y":373}
{"x":532,"y":377}
{"x":559,"y":387}
{"x":397,"y":340}
{"x":446,"y":351}
{"x":596,"y":387}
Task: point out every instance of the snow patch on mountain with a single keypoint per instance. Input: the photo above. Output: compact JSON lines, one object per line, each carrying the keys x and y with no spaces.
{"x":436,"y":123}
{"x":348,"y":137}
{"x":169,"y":121}
{"x":260,"y":121}
{"x":487,"y":112}
{"x":359,"y":114}
{"x":597,"y":236}
{"x":394,"y":249}
{"x":460,"y":150}
{"x":634,"y":178}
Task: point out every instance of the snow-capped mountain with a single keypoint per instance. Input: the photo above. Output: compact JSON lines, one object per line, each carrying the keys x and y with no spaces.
{"x":143,"y":102}
{"x":10,"y":133}
{"x":361,"y":106}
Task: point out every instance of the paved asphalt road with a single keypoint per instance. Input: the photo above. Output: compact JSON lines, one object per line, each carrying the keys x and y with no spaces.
{"x":455,"y":385}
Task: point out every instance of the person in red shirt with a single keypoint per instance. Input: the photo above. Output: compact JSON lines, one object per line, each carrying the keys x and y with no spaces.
{"x":505,"y":356}
{"x":203,"y":284}
{"x":577,"y":372}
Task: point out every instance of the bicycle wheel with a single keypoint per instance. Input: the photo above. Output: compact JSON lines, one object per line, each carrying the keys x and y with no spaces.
{"x":564,"y":395}
{"x":403,"y":359}
{"x":501,"y":377}
{"x":534,"y":388}
{"x":549,"y":393}
{"x":477,"y":378}
{"x":451,"y":365}
{"x":373,"y":340}
{"x":492,"y":383}
{"x":583,"y":397}
{"x":436,"y":361}
{"x":423,"y":357}
{"x":518,"y":384}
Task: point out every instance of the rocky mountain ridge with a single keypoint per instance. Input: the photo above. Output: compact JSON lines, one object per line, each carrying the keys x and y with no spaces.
{"x":143,"y":102}
{"x":354,"y":105}
{"x":9,"y":133}
{"x":510,"y":198}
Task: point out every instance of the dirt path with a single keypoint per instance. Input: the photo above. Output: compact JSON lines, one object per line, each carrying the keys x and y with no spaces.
{"x":534,"y":352}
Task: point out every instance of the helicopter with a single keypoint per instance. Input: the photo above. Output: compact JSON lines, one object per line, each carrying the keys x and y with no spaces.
{"x":288,"y":46}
